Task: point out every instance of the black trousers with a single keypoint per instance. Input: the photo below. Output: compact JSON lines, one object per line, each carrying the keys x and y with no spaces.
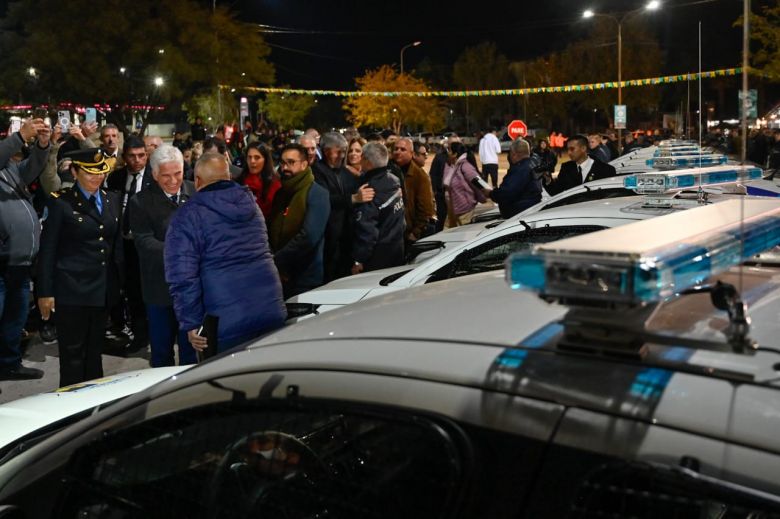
{"x":131,"y":308}
{"x":80,"y":331}
{"x":490,"y":170}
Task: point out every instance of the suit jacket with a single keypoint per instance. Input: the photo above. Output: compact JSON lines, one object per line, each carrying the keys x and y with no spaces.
{"x":419,"y":207}
{"x":569,"y":177}
{"x":341,"y":185}
{"x":117,"y":180}
{"x":80,"y":260}
{"x":150,"y":213}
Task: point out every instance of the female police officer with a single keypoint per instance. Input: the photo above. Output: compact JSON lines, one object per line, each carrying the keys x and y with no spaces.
{"x":78,"y":267}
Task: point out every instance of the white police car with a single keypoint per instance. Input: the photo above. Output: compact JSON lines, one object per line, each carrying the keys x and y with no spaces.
{"x":492,"y":246}
{"x":631,"y":395}
{"x":29,"y":420}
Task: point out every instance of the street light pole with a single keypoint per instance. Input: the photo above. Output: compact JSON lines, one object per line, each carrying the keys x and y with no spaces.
{"x":651,"y":6}
{"x":413,"y":44}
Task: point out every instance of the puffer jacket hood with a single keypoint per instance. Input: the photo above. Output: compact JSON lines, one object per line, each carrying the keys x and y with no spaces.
{"x":229,"y":200}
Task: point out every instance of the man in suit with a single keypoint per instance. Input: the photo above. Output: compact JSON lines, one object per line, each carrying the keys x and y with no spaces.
{"x":419,"y":206}
{"x":79,"y":264}
{"x":579,"y":170}
{"x":128,"y":181}
{"x":151,"y":212}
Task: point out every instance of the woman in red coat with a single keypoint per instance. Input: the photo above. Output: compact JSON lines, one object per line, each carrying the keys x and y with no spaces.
{"x":259,"y":175}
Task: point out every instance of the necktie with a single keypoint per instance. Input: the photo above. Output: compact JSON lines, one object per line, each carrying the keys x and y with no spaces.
{"x":579,"y":170}
{"x":174,"y":199}
{"x":93,"y":202}
{"x":133,"y":186}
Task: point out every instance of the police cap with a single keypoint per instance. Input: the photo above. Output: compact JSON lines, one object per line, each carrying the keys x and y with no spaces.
{"x":92,"y":161}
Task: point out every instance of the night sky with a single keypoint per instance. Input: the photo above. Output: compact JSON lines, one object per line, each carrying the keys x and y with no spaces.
{"x":336,"y":40}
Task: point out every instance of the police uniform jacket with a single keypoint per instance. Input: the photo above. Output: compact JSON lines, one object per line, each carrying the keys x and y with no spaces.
{"x":79,"y":262}
{"x":379,"y":224}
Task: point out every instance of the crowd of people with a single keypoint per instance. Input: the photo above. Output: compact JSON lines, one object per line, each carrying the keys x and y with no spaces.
{"x":144,"y":245}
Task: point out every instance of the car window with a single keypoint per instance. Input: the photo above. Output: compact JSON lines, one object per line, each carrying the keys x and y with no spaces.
{"x":491,"y":255}
{"x":290,"y":459}
{"x":593,"y":194}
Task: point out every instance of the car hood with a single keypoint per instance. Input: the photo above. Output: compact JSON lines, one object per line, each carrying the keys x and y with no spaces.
{"x":351,"y":288}
{"x":26,"y":415}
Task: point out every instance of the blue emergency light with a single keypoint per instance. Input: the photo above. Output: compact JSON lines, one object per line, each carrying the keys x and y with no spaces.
{"x":686,"y":161}
{"x":660,"y":183}
{"x":650,"y":260}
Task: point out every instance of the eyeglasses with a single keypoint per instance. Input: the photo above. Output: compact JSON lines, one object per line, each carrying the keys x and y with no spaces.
{"x":291,"y":162}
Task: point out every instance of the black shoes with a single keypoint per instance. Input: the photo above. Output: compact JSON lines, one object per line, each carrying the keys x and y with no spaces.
{"x":48,"y":332}
{"x":20,"y":373}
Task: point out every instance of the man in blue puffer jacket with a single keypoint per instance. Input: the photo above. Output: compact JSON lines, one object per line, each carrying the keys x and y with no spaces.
{"x":218,"y":262}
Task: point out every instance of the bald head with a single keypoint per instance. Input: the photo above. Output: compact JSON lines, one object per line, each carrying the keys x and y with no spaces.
{"x":211,"y":167}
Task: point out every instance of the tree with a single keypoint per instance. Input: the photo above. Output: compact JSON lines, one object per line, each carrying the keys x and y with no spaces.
{"x":484,"y":68}
{"x":182,"y":42}
{"x":211,"y":106}
{"x":588,"y":61}
{"x":393,"y":111}
{"x":287,"y":111}
{"x":765,"y":29}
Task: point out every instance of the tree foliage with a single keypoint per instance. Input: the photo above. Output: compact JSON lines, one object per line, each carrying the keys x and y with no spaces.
{"x":78,"y":48}
{"x":593,"y":60}
{"x":287,"y":111}
{"x":765,"y":29}
{"x":394,"y":112}
{"x":482,"y":67}
{"x":213,"y":105}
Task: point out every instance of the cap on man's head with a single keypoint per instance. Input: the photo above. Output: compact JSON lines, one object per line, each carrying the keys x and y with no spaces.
{"x":92,"y":161}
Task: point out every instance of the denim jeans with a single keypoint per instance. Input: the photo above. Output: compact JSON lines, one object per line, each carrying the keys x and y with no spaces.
{"x":163,"y":333}
{"x":14,"y":306}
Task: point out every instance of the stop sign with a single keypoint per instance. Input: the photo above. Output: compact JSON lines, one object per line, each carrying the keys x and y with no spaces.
{"x":517,"y":128}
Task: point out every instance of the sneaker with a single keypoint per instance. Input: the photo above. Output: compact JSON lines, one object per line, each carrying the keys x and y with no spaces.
{"x":20,"y":373}
{"x":48,"y":332}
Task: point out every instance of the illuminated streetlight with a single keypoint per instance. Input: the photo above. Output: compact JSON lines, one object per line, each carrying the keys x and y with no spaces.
{"x":159,"y":81}
{"x":589,"y":13}
{"x":414,"y":44}
{"x":161,"y":51}
{"x":122,"y":70}
{"x":32,"y":71}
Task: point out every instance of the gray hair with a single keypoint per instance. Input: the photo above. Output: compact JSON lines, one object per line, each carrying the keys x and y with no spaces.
{"x":165,"y":154}
{"x":333,"y":140}
{"x":521,"y":147}
{"x":305,"y":137}
{"x":376,"y":154}
{"x":108,"y":126}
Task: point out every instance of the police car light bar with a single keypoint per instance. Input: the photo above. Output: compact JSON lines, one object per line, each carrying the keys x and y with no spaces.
{"x":686,"y":161}
{"x":650,"y":260}
{"x":659,"y":183}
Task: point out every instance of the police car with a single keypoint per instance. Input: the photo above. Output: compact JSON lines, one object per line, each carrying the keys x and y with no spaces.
{"x":29,"y":420}
{"x":490,"y":248}
{"x":667,"y":156}
{"x":624,"y":379}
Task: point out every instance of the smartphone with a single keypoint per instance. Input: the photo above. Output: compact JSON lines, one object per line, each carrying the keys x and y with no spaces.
{"x":16,"y":125}
{"x":91,"y":115}
{"x":63,"y":118}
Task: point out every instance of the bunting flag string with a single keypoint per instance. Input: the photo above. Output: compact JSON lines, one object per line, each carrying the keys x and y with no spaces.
{"x":503,"y":92}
